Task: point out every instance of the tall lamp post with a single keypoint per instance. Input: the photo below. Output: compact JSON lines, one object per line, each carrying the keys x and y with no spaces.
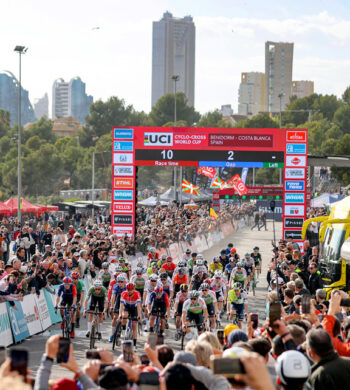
{"x":20,"y":50}
{"x":93,"y":180}
{"x":175,"y":78}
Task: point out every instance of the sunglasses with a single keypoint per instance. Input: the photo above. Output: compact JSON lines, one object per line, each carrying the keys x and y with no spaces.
{"x":193,"y":299}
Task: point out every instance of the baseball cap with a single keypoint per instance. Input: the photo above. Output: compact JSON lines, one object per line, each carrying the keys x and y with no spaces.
{"x":66,"y":384}
{"x":279,"y":280}
{"x":292,"y":366}
{"x":23,"y":269}
{"x":76,"y":254}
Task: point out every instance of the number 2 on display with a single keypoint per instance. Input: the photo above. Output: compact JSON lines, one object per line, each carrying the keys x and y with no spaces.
{"x":230,"y":155}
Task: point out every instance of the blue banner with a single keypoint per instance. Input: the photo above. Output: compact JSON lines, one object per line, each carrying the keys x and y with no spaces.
{"x":55,"y":317}
{"x":18,"y":322}
{"x":244,"y":174}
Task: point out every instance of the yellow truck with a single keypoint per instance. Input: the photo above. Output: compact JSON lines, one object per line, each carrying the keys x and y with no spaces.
{"x":334,"y":248}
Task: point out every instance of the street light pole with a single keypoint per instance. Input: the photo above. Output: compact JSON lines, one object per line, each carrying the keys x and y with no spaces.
{"x":176,"y":79}
{"x":20,"y":50}
{"x":93,"y":181}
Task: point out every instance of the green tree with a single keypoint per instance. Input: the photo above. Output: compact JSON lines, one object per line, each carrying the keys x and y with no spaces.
{"x":163,"y":111}
{"x":346,"y":96}
{"x":342,"y":118}
{"x":42,"y":128}
{"x":210,"y":119}
{"x":262,"y":121}
{"x":4,"y":123}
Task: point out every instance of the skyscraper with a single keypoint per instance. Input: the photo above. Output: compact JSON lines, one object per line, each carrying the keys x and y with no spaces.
{"x":41,"y":107}
{"x":69,"y":99}
{"x":278,"y":74}
{"x":173,"y":53}
{"x":302,"y":88}
{"x":9,"y":99}
{"x":251,"y":94}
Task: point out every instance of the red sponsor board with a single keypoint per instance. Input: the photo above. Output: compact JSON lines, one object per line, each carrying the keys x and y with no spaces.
{"x":158,"y":163}
{"x":123,"y":182}
{"x":296,"y":136}
{"x":264,"y":191}
{"x":241,"y":139}
{"x":123,"y":207}
{"x":207,"y":171}
{"x":238,"y":185}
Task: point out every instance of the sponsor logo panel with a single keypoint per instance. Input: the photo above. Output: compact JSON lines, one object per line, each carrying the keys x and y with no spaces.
{"x":123,"y":207}
{"x":294,"y":185}
{"x":295,"y":234}
{"x":294,"y":210}
{"x":123,"y":219}
{"x":123,"y":195}
{"x":294,"y":173}
{"x":120,"y":170}
{"x":293,"y":222}
{"x":123,"y":158}
{"x":158,"y":139}
{"x":296,"y":136}
{"x":294,"y":198}
{"x":123,"y":146}
{"x":296,"y":148}
{"x":123,"y":182}
{"x":123,"y":133}
{"x":120,"y":231}
{"x":295,"y":161}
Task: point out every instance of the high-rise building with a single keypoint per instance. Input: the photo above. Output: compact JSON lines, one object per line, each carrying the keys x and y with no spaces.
{"x":173,"y":53}
{"x":302,"y":88}
{"x":251,"y":93}
{"x":9,"y":88}
{"x":69,"y":99}
{"x":41,"y":107}
{"x":278,"y":74}
{"x":226,"y":110}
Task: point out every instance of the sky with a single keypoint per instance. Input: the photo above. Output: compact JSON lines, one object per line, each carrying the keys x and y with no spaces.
{"x":116,"y":58}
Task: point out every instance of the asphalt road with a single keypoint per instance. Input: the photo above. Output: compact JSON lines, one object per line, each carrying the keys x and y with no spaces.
{"x":243,"y":240}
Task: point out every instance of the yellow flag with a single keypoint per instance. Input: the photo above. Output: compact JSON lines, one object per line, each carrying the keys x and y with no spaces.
{"x":213,"y":213}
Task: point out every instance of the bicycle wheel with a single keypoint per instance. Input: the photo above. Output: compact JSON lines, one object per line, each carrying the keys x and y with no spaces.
{"x":116,"y":336}
{"x":68,"y":328}
{"x":128,"y":333}
{"x":93,"y":335}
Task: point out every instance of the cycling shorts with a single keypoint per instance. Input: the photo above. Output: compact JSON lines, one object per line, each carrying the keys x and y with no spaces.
{"x":158,"y":308}
{"x":196,"y":318}
{"x":239,"y":309}
{"x":179,"y":309}
{"x":99,"y":301}
{"x":211,"y":309}
{"x":117,"y":304}
{"x":65,"y":301}
{"x":132,"y":311}
{"x":219,"y":295}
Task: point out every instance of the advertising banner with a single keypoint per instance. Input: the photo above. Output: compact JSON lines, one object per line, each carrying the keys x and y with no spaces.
{"x":50,"y":300}
{"x":43,"y":309}
{"x":18,"y":323}
{"x":31,"y":314}
{"x":237,"y":183}
{"x":5,"y":328}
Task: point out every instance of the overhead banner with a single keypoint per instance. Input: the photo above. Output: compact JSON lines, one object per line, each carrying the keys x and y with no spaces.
{"x":31,"y":314}
{"x":5,"y":327}
{"x":18,"y":322}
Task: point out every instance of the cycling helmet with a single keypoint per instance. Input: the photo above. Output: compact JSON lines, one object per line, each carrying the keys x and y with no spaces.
{"x":118,"y":268}
{"x":158,"y":290}
{"x":67,"y":280}
{"x":139,"y":264}
{"x":153,"y":278}
{"x":247,"y":255}
{"x":154,"y":264}
{"x":75,"y":275}
{"x":122,"y":259}
{"x":138,"y":271}
{"x":239,"y":265}
{"x":164,"y":257}
{"x":130,"y":286}
{"x":105,"y":265}
{"x":169,"y":258}
{"x":184,"y":287}
{"x":256,"y":248}
{"x":120,"y":278}
{"x":164,"y":276}
{"x":205,"y":286}
{"x":98,"y":283}
{"x":201,"y":268}
{"x":162,"y":271}
{"x":293,"y":367}
{"x":194,"y":294}
{"x":215,"y":260}
{"x":199,"y":262}
{"x":233,"y":250}
{"x":237,"y":286}
{"x":181,"y":271}
{"x":230,"y":245}
{"x":188,"y":251}
{"x":223,"y":252}
{"x":199,"y":256}
{"x":152,"y":249}
{"x":218,"y":273}
{"x":181,"y":263}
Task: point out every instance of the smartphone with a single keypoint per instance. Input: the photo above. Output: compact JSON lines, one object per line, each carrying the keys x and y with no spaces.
{"x":221,"y":336}
{"x":227,"y":367}
{"x":160,"y":339}
{"x":274,"y":312}
{"x":103,"y":366}
{"x":144,"y":360}
{"x":63,"y":350}
{"x":148,"y":381}
{"x":305,"y":304}
{"x":127,"y":349}
{"x":19,"y":361}
{"x":254,"y":318}
{"x":2,"y":354}
{"x":345,"y":302}
{"x":152,"y":340}
{"x":91,"y":354}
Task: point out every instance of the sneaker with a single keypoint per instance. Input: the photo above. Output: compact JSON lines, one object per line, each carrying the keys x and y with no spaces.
{"x":88,"y":334}
{"x":99,"y":335}
{"x":72,"y":334}
{"x":111,"y":339}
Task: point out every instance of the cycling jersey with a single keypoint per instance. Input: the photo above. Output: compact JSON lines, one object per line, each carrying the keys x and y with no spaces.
{"x":67,"y":293}
{"x":130,"y":300}
{"x":167,"y":286}
{"x":209,"y":298}
{"x":239,"y":276}
{"x":105,"y":277}
{"x":80,"y":288}
{"x":195,"y":308}
{"x":180,"y":279}
{"x":256,"y":257}
{"x":187,"y":272}
{"x":213,"y":268}
{"x":153,"y":256}
{"x":149,"y":287}
{"x":240,"y":299}
{"x":180,"y":297}
{"x":150,"y":271}
{"x":197,"y":281}
{"x":138,"y":282}
{"x":169,"y":267}
{"x":199,"y":268}
{"x":218,"y":286}
{"x":154,"y":299}
{"x":101,"y":294}
{"x":118,"y":290}
{"x":248,"y":266}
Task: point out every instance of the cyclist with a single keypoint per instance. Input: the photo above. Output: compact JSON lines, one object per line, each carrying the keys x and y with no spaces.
{"x":210,"y":300}
{"x":191,"y":262}
{"x":118,"y":289}
{"x":179,"y":279}
{"x":125,"y":267}
{"x":130,"y":307}
{"x":150,"y":285}
{"x":105,"y":275}
{"x":224,"y":259}
{"x":257,"y":259}
{"x":68,"y":291}
{"x":215,"y":265}
{"x":139,"y":280}
{"x":234,"y":254}
{"x":162,"y":260}
{"x":158,"y":304}
{"x":228,"y":269}
{"x":199,"y":266}
{"x":169,"y":266}
{"x":153,"y":269}
{"x":198,"y":279}
{"x":187,"y":256}
{"x":181,"y":265}
{"x":166,"y":283}
{"x":238,"y":274}
{"x":98,"y":295}
{"x":249,"y":266}
{"x":80,"y":295}
{"x":219,"y":287}
{"x":236,"y":299}
{"x":153,"y":255}
{"x":228,"y":249}
{"x":181,"y":297}
{"x":119,"y":271}
{"x":194,"y":309}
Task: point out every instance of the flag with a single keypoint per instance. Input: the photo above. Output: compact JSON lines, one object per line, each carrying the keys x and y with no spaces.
{"x":237,"y":183}
{"x":213,"y":213}
{"x":189,"y":188}
{"x":244,"y":174}
{"x":207,"y":171}
{"x":219,"y":184}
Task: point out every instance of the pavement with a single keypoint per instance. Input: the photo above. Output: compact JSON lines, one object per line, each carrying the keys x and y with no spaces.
{"x":243,"y":240}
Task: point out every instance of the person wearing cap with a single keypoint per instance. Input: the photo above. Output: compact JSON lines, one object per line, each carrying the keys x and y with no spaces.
{"x":300,"y":288}
{"x":293,"y":370}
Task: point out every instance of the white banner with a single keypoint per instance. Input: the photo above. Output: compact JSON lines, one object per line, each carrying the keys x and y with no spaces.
{"x":5,"y":328}
{"x":31,"y":314}
{"x":44,"y":312}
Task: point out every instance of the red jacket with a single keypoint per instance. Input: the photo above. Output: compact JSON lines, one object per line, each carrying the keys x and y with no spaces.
{"x":343,"y":349}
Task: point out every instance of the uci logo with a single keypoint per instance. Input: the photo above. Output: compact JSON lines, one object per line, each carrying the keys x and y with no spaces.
{"x":158,"y":139}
